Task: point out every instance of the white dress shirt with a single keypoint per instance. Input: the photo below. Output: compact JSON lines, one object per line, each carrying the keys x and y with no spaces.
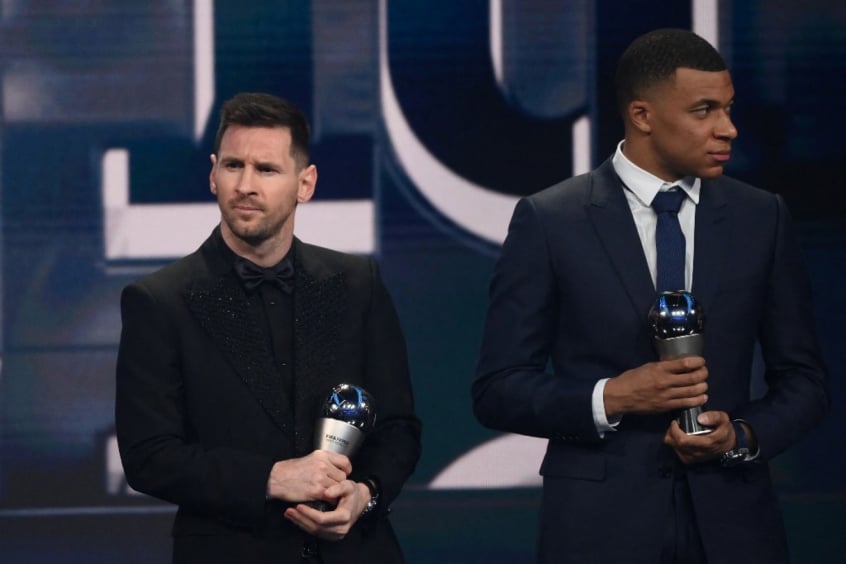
{"x":640,"y":187}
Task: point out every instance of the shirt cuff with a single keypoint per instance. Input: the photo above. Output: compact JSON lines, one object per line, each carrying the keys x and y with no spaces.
{"x":600,"y":418}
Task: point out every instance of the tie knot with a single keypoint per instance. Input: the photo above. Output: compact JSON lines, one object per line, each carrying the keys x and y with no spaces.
{"x":669,"y":201}
{"x":251,"y":274}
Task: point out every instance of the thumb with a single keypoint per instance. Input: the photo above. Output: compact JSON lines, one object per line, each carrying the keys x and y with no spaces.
{"x":710,"y":418}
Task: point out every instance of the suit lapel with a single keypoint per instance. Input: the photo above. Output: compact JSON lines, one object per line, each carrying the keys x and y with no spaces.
{"x":222,"y":308}
{"x":320,"y":301}
{"x":609,"y":212}
{"x":711,"y":239}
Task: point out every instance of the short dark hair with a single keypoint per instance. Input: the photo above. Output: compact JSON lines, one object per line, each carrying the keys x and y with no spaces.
{"x":655,"y":56}
{"x":258,"y":109}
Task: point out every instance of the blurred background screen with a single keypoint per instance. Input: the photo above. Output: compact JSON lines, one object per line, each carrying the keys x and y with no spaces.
{"x":430,"y":119}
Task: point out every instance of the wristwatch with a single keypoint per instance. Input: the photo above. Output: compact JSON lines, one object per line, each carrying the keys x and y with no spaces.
{"x":740,"y":452}
{"x":374,"y":497}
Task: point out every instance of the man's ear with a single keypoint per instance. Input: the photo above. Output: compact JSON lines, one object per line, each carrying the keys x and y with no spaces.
{"x":639,"y":113}
{"x":212,"y":185}
{"x":307,"y":181}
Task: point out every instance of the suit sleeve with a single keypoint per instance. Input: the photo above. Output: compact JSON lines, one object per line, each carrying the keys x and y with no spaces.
{"x":155,"y":443}
{"x":513,"y":390}
{"x":797,"y":396}
{"x":392,"y":449}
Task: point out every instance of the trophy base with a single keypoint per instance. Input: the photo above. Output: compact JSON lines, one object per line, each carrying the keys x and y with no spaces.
{"x":701,"y":431}
{"x":689,"y":424}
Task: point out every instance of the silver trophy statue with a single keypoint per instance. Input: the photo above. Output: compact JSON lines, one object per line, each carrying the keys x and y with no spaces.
{"x":346,"y":416}
{"x":677,"y":321}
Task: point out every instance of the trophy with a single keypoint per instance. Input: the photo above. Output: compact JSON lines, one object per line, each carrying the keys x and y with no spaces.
{"x":677,"y":321}
{"x":346,"y":416}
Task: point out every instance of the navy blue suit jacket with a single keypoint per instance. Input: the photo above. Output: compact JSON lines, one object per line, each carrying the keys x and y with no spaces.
{"x":569,"y":301}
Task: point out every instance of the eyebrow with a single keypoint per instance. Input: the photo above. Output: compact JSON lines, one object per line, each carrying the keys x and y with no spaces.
{"x":711,"y":102}
{"x":228,"y":159}
{"x":269,"y":164}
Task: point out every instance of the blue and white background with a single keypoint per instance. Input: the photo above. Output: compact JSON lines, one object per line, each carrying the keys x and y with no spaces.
{"x":430,"y":119}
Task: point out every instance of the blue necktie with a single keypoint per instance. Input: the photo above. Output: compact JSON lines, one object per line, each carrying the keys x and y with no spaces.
{"x":669,"y":241}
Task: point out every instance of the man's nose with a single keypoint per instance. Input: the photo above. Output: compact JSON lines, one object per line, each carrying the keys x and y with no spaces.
{"x":245,"y":182}
{"x":726,"y":128}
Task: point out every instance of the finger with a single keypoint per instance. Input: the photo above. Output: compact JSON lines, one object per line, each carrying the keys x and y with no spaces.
{"x":326,"y":524}
{"x":690,"y":363}
{"x":687,"y":402}
{"x":341,"y":489}
{"x":336,"y":475}
{"x":674,"y":434}
{"x":683,"y":365}
{"x":298,"y":519}
{"x":686,"y":379}
{"x":296,"y":516}
{"x":688,"y":391}
{"x":331,"y":458}
{"x":339,"y":461}
{"x":314,"y":516}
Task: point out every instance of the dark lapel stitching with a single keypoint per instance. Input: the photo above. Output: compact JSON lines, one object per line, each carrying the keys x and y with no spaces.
{"x":224,"y":311}
{"x":319,"y":307}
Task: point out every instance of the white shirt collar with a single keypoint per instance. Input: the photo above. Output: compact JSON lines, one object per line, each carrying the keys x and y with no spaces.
{"x":645,"y":185}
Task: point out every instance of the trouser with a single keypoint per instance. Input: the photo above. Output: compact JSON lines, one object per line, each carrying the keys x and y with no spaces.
{"x":682,"y":544}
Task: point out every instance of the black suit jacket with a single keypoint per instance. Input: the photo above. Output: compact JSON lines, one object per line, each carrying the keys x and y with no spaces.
{"x":572,"y":287}
{"x":201,"y":414}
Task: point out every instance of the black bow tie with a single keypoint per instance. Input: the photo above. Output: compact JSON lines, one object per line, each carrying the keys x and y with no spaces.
{"x":252,"y":275}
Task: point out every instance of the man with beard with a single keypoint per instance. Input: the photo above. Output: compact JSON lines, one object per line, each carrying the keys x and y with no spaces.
{"x":227,"y":354}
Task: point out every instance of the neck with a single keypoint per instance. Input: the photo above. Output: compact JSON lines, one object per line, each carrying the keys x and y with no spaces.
{"x":265,"y":253}
{"x":636,"y":151}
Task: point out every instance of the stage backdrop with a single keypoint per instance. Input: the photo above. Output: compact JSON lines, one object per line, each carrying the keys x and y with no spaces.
{"x":430,"y":119}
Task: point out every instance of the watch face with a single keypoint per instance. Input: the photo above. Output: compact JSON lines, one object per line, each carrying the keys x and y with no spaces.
{"x":734,"y":457}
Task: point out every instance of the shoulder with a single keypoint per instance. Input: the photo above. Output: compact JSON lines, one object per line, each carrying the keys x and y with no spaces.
{"x":572,"y":191}
{"x":742,"y":196}
{"x":177,"y":274}
{"x":315,"y":263}
{"x":322,"y":272}
{"x":570,"y":197}
{"x":315,"y":253}
{"x":319,"y":260}
{"x":734,"y":188}
{"x":172,"y":281}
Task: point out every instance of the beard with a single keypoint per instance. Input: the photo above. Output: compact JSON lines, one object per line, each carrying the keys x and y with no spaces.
{"x":258,"y":230}
{"x":253,"y":236}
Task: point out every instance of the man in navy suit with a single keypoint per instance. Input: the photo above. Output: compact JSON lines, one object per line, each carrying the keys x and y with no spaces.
{"x":567,"y":353}
{"x":227,"y":355}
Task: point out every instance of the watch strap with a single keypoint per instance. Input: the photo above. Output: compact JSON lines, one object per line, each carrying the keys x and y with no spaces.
{"x":740,"y":453}
{"x":374,"y":497}
{"x":740,"y":436}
